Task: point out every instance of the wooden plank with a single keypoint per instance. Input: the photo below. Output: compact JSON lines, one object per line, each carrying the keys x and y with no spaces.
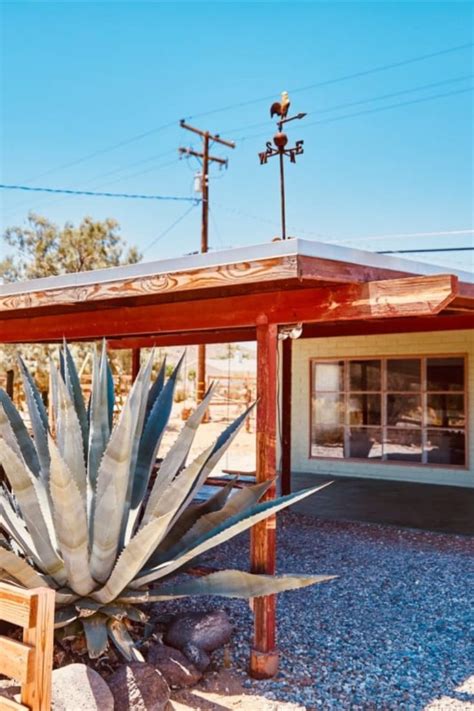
{"x":411,"y":297}
{"x":264,"y":656}
{"x":15,"y":605}
{"x":317,"y":269}
{"x":193,"y":338}
{"x":10,"y":705}
{"x":286,"y":369}
{"x":400,"y":325}
{"x":16,"y":660}
{"x":219,"y":276}
{"x":37,"y":693}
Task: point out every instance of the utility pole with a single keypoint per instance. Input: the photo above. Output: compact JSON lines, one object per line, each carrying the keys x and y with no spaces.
{"x":206,"y":159}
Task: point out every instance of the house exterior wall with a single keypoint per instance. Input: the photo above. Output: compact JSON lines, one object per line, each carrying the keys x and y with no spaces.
{"x":415,"y":344}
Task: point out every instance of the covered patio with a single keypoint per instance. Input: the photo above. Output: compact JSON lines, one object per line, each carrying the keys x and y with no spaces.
{"x":239,"y":295}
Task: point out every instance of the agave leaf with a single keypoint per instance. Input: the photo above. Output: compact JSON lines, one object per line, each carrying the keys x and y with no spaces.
{"x":110,"y":389}
{"x":224,"y":532}
{"x":27,"y":490}
{"x":69,"y":433}
{"x":176,"y":456}
{"x":142,"y":384}
{"x":71,"y":378}
{"x":38,"y":418}
{"x":25,"y":443}
{"x":218,"y":450}
{"x":19,"y":569}
{"x":97,"y":639}
{"x":99,"y":426}
{"x":63,"y":616}
{"x":112,"y":484}
{"x":13,"y":524}
{"x":156,"y":388}
{"x":239,"y":502}
{"x":70,"y":523}
{"x":194,"y":512}
{"x":132,"y":559}
{"x":119,"y":635}
{"x":235,"y":583}
{"x":151,"y":437}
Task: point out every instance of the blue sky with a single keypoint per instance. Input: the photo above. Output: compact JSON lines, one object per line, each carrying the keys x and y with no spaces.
{"x":81,"y":77}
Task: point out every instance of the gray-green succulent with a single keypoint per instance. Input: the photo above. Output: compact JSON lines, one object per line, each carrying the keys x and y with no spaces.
{"x":83,"y":515}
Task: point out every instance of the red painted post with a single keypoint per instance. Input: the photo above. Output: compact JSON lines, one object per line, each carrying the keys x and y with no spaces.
{"x":264,"y":654}
{"x":286,"y":416}
{"x":136,"y":353}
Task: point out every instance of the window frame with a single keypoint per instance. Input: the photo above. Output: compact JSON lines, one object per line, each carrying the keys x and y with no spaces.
{"x":423,"y":464}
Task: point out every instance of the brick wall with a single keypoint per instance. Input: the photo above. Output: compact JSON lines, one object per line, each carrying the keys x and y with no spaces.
{"x":436,"y":343}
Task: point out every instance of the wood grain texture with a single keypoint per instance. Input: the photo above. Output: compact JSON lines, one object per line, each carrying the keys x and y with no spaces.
{"x":10,"y":705}
{"x":16,"y":660}
{"x":195,"y":280}
{"x":394,"y":298}
{"x":263,"y":535}
{"x":30,"y":661}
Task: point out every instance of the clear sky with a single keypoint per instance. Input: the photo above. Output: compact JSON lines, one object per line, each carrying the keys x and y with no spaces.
{"x":81,"y":77}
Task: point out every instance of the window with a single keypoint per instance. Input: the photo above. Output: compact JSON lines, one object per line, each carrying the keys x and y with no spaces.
{"x":389,"y":409}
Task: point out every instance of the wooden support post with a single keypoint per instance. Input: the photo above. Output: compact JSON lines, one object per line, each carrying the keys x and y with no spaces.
{"x":285,"y":420}
{"x":264,"y":655}
{"x":136,"y":353}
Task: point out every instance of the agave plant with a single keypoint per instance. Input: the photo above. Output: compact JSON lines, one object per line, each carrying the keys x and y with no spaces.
{"x":83,"y":515}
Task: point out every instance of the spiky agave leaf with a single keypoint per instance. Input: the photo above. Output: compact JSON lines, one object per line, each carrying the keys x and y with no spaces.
{"x":99,"y":421}
{"x":9,"y":412}
{"x":71,"y":378}
{"x":230,"y":528}
{"x":70,"y":520}
{"x":20,"y":570}
{"x":38,"y":418}
{"x":235,"y":583}
{"x":34,"y":508}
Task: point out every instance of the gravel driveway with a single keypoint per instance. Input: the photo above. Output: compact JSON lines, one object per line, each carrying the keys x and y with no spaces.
{"x":393,"y":632}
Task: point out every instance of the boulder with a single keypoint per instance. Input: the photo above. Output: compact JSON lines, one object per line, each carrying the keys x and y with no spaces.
{"x":175,"y":667}
{"x":206,"y":630}
{"x":77,"y":687}
{"x":139,"y":687}
{"x":197,"y":656}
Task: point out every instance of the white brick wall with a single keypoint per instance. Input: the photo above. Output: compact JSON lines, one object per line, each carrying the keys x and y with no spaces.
{"x":440,"y":342}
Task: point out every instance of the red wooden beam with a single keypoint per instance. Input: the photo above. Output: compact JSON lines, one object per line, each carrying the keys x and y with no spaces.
{"x":417,"y":296}
{"x":393,"y":325}
{"x":285,"y":420}
{"x":193,"y":338}
{"x":264,"y":655}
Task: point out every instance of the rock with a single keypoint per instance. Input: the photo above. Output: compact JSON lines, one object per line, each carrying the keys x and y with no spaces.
{"x":197,"y":656}
{"x":139,"y":686}
{"x":178,"y":671}
{"x":206,"y":630}
{"x":77,"y":687}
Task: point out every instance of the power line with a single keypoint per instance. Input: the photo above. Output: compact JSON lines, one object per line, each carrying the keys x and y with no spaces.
{"x":439,"y":233}
{"x":334,"y":80}
{"x":344,"y":77}
{"x":433,"y":249}
{"x":91,"y":193}
{"x":367,"y":111}
{"x":168,"y":229}
{"x":378,"y":97}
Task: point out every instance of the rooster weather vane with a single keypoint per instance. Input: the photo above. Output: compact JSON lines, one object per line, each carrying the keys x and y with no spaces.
{"x":280,"y":139}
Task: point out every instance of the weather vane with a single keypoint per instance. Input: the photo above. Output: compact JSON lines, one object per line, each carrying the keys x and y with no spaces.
{"x":280,"y":139}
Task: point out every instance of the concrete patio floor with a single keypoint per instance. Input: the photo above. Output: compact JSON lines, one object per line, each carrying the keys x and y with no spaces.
{"x":445,"y":509}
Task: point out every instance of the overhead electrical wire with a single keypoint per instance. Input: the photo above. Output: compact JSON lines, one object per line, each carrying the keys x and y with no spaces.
{"x":326,"y":82}
{"x":168,"y":229}
{"x":91,"y":193}
{"x":431,"y":249}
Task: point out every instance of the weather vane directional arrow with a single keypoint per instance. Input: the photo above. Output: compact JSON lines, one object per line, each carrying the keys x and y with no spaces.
{"x":280,"y":141}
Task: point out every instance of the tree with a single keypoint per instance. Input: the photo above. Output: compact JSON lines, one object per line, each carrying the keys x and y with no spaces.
{"x":44,"y":249}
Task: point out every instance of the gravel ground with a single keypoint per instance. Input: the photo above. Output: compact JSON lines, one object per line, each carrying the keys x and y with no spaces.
{"x":393,"y":632}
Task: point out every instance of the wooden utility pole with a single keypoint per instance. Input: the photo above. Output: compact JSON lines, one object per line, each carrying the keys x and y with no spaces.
{"x":206,"y":160}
